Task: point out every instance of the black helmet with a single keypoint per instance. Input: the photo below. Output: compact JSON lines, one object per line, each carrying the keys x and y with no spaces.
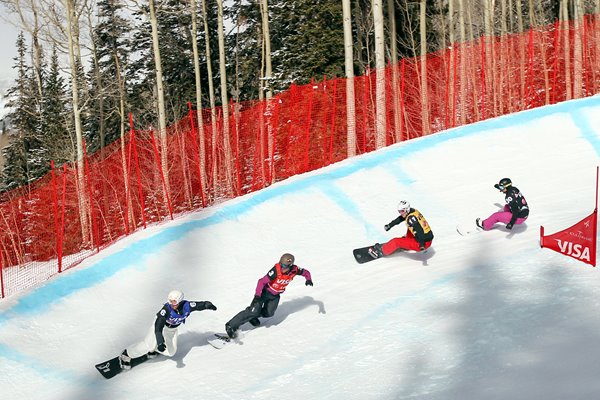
{"x":287,"y":260}
{"x":504,"y":183}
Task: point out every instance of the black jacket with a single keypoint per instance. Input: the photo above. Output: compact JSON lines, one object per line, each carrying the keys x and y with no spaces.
{"x":516,"y":203}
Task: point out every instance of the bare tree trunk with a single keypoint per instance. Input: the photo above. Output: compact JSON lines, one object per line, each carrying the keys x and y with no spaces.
{"x":463,"y":63}
{"x":211,"y":97}
{"x":451,"y":61}
{"x":578,"y":50}
{"x":99,"y":83}
{"x":488,"y":20}
{"x":349,"y":70}
{"x":395,"y":78}
{"x":225,"y":103}
{"x":161,"y":101}
{"x":424,"y":85}
{"x":564,"y":18}
{"x":197,"y":77}
{"x":380,"y":128}
{"x":520,"y":28}
{"x":83,"y":209}
{"x":503,"y":66}
{"x":360,"y":37}
{"x":267,"y":78}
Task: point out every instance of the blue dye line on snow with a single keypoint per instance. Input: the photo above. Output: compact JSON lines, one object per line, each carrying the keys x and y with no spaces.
{"x":10,"y":354}
{"x":341,"y":199}
{"x":585,"y":127}
{"x":38,"y":300}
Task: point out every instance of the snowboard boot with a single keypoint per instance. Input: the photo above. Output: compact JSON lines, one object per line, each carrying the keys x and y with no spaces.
{"x":254,"y":322}
{"x":152,"y":354}
{"x":479,"y":223}
{"x":375,"y":251}
{"x":230,"y":331}
{"x":125,"y":360}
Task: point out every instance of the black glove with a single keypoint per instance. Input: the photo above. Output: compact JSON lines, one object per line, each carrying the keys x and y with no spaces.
{"x":308,"y":282}
{"x":161,"y":347}
{"x":387,"y":227}
{"x":210,"y":306}
{"x":509,"y":225}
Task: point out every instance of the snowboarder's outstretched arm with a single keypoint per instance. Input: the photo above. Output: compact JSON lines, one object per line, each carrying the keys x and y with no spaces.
{"x":394,"y":222}
{"x":306,"y":274}
{"x":201,"y":305}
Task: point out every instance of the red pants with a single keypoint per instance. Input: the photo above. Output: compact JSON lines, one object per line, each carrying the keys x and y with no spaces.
{"x":407,"y":242}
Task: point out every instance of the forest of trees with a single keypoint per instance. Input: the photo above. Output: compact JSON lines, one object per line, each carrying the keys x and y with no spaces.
{"x":84,"y":65}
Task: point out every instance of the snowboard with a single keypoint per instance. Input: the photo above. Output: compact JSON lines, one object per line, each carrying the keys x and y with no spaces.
{"x":362,"y":255}
{"x":219,"y":341}
{"x":111,"y":368}
{"x":468,"y":229}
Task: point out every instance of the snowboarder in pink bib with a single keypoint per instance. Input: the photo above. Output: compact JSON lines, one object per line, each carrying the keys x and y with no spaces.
{"x":515,"y":210}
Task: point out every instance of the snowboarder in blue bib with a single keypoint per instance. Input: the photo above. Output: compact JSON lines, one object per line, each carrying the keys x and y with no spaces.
{"x":515,"y":210}
{"x":162,"y":335}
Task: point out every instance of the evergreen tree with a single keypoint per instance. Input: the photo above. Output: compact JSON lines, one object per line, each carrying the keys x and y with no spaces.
{"x":244,"y":48}
{"x":24,"y":121}
{"x":54,"y":133}
{"x":307,"y":41}
{"x":107,"y":79}
{"x":177,"y":64}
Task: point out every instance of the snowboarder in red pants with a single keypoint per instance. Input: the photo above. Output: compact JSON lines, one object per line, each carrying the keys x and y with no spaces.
{"x":418,"y":235}
{"x":515,"y":210}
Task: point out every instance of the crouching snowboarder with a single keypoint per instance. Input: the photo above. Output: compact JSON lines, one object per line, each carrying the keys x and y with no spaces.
{"x":515,"y":210}
{"x":267,"y":293}
{"x":418,"y":234}
{"x":162,"y":335}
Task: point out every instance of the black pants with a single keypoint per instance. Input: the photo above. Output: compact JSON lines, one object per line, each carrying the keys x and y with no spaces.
{"x":265,"y":307}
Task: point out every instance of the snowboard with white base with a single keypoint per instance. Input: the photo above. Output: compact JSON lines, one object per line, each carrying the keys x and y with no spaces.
{"x":468,"y":229}
{"x":219,"y":341}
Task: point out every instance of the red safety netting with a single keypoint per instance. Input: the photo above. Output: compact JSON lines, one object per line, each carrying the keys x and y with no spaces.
{"x":148,"y":177}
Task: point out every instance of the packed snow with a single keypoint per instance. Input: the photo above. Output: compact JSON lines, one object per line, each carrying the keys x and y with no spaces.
{"x":486,"y":316}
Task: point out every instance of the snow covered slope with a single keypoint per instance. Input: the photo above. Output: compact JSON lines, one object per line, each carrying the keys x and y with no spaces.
{"x":488,"y":316}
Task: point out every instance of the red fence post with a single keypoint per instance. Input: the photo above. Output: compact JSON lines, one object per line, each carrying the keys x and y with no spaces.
{"x":447,"y":108}
{"x":55,"y":201}
{"x":402,"y":89}
{"x":1,"y":275}
{"x":365,"y":102}
{"x":555,"y":63}
{"x":162,"y":175}
{"x":233,"y":121}
{"x":132,"y":144}
{"x":61,"y":236}
{"x":308,"y":123}
{"x":455,"y":74}
{"x":482,"y":105}
{"x":276,"y":111}
{"x":95,"y":240}
{"x":196,"y":153}
{"x":583,"y":56}
{"x":333,"y":121}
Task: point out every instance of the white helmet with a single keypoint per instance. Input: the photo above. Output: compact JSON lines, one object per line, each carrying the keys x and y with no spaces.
{"x":175,"y":295}
{"x":403,"y":206}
